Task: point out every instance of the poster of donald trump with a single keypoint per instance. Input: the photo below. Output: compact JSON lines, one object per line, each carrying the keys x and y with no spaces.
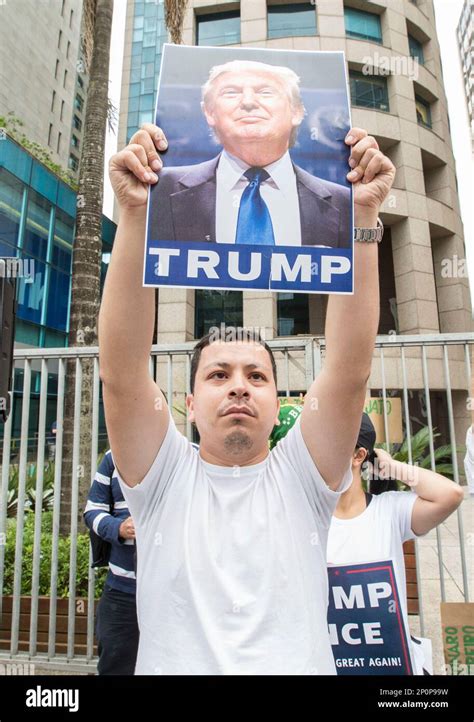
{"x":253,"y":192}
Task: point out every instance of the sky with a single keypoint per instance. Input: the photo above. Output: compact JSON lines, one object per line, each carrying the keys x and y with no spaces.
{"x":447,"y":16}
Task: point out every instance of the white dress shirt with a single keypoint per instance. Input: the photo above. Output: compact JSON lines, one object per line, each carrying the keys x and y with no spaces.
{"x":279,"y":193}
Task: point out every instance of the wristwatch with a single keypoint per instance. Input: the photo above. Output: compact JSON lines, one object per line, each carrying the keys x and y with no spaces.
{"x":369,"y":235}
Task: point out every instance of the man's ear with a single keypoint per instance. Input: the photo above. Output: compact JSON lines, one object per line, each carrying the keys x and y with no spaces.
{"x":190,"y":407}
{"x":360,"y":456}
{"x":208,"y":115}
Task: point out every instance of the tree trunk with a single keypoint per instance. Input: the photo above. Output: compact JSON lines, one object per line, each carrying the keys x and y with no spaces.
{"x":174,"y":18}
{"x":87,"y":253}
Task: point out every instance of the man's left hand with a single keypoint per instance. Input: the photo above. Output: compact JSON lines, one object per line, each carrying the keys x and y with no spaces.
{"x":372,"y":175}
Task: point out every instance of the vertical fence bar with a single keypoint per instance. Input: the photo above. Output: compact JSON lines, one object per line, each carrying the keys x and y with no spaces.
{"x":94,"y":451}
{"x":25,"y":416}
{"x":313,"y":361}
{"x":58,"y":460}
{"x":452,"y":437}
{"x":6,"y":451}
{"x":433,"y":468}
{"x":287,"y":373}
{"x":189,"y":432}
{"x":38,"y":508}
{"x":384,"y":400}
{"x":410,"y":461}
{"x":71,"y":614}
{"x":170,"y":382}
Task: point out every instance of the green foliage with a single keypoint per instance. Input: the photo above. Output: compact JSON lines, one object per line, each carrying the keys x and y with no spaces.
{"x":64,"y":546}
{"x":420,"y":443}
{"x":13,"y":127}
{"x":30,"y":488}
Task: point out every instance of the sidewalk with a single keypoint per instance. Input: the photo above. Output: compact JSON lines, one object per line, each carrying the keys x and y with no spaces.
{"x":429,"y":573}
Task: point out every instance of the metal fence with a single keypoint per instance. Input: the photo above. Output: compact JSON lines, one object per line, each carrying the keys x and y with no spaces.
{"x":430,"y":374}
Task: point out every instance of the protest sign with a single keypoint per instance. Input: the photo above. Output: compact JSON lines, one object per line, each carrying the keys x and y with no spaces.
{"x":457,"y":621}
{"x":365,"y":620}
{"x":253,"y":194}
{"x":374,"y":407}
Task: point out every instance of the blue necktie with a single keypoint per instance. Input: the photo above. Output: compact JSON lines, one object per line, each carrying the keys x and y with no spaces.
{"x":254,"y":224}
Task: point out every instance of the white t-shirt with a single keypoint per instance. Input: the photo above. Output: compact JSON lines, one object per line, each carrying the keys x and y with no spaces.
{"x":469,"y":460}
{"x":377,"y":535}
{"x":232,"y":575}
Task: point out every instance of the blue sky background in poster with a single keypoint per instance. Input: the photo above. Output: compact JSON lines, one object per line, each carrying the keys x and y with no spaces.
{"x":365,"y":620}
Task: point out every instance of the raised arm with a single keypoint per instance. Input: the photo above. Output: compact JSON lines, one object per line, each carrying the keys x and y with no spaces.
{"x":438,"y":496}
{"x":333,"y":407}
{"x":135,"y":409}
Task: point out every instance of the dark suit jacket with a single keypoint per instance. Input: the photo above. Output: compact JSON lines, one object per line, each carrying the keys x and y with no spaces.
{"x":183,"y":207}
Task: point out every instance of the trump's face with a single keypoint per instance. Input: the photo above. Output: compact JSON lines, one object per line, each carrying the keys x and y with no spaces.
{"x":251,"y":107}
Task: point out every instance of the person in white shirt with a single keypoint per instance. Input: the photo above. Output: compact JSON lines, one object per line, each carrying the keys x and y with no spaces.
{"x":254,"y":111}
{"x":368,"y":527}
{"x":469,"y":458}
{"x":231,"y":542}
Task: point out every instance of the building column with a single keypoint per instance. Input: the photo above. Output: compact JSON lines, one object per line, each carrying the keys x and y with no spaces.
{"x":175,"y":323}
{"x":260,"y":312}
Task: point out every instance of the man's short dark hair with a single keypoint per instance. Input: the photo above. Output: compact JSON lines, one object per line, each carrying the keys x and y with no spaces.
{"x":228,"y":334}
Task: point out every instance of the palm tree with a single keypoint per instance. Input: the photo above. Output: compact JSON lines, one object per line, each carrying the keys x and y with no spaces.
{"x":174,"y":18}
{"x":86,"y":265}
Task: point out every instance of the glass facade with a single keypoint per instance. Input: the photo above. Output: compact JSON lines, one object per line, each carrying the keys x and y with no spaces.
{"x":291,"y":20}
{"x":362,"y":25}
{"x":292,"y":313}
{"x":37,"y":218}
{"x":369,"y":91}
{"x":149,"y":34}
{"x":215,"y":307}
{"x":218,"y":29}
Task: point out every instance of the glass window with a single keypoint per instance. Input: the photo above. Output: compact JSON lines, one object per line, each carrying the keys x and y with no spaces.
{"x":131,"y":129}
{"x":136,"y":61}
{"x":77,"y":122}
{"x":288,"y":20}
{"x":38,"y":216}
{"x":360,"y":24}
{"x":150,"y":10}
{"x":147,"y":86}
{"x":148,"y":55}
{"x":31,"y":292}
{"x":133,"y":104}
{"x":145,"y":117}
{"x":215,"y":307}
{"x":146,"y":102}
{"x":150,"y":25}
{"x":62,"y":241}
{"x":135,"y":75}
{"x":78,"y":102}
{"x":136,"y":48}
{"x":138,"y":23}
{"x":133,"y":119}
{"x":73,"y":162}
{"x":139,"y":8}
{"x":58,"y":299}
{"x":149,"y":40}
{"x":148,"y":70}
{"x":423,"y":112}
{"x":369,"y":91}
{"x":137,"y":36}
{"x":134,"y":89}
{"x":11,"y":195}
{"x":293,"y":313}
{"x":25,"y":333}
{"x":218,"y":29}
{"x":416,"y":49}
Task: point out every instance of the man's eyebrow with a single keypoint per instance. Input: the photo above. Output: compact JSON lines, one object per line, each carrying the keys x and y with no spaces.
{"x":227,"y":365}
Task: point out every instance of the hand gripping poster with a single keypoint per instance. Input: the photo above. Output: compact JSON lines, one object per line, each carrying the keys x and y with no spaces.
{"x":253,"y":192}
{"x":365,"y":618}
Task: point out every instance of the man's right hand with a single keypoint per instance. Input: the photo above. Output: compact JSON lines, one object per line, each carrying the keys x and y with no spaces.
{"x":134,"y":168}
{"x":127,"y":529}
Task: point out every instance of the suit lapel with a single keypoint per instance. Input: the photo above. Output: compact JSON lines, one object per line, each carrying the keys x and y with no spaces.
{"x":194,"y":207}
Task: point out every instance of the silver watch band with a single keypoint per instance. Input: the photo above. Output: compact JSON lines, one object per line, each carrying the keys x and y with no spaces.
{"x":369,"y":235}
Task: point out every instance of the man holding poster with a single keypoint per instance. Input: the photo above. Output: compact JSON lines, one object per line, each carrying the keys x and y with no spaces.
{"x":231,"y":542}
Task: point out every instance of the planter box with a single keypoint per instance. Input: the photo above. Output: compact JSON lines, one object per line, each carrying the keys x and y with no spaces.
{"x":80,"y":628}
{"x":410,"y":570}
